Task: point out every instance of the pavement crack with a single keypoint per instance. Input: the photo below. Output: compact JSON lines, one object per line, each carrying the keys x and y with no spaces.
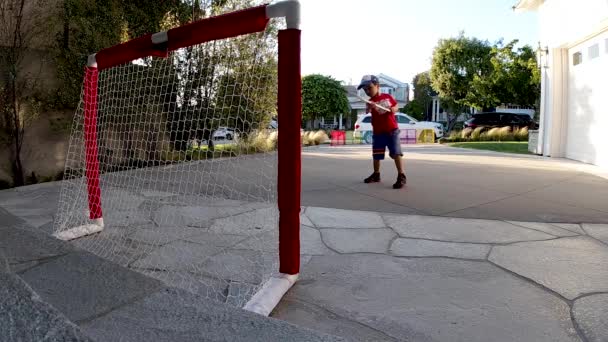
{"x":438,"y":257}
{"x":589,"y":294}
{"x":532,"y":282}
{"x":534,"y":229}
{"x":576,"y":326}
{"x":117,"y":307}
{"x":330,"y":313}
{"x":489,"y":253}
{"x":325,"y":244}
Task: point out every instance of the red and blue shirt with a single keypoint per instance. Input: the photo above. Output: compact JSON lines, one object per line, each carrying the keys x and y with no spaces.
{"x":383,"y":122}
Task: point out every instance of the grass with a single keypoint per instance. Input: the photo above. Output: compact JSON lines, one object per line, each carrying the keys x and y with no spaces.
{"x":519,"y":147}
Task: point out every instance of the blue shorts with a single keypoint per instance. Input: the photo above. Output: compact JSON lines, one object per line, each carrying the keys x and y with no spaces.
{"x":384,"y":140}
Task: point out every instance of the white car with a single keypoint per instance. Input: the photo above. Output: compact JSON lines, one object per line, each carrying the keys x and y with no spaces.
{"x":224,"y":133}
{"x":364,"y":125}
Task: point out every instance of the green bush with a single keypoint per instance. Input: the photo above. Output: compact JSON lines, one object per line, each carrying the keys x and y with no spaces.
{"x":521,"y":134}
{"x":314,"y":138}
{"x":494,"y":134}
{"x":476,"y":134}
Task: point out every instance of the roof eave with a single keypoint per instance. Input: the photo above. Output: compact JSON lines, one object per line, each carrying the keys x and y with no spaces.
{"x":527,"y":5}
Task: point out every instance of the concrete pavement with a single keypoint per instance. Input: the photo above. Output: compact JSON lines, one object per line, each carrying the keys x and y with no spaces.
{"x":445,"y":181}
{"x":366,"y":276}
{"x":394,"y":277}
{"x":403,"y":267}
{"x":52,"y":291}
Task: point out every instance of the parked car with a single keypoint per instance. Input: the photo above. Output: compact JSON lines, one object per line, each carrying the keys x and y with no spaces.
{"x":224,"y":133}
{"x":364,"y":124}
{"x":496,"y":119}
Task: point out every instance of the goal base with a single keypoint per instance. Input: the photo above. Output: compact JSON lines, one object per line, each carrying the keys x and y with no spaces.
{"x":267,"y":298}
{"x":80,"y":231}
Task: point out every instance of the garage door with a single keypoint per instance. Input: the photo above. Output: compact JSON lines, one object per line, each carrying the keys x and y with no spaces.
{"x":587,"y":130}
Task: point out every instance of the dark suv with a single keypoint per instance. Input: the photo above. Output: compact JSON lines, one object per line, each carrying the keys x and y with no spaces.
{"x":494,"y":119}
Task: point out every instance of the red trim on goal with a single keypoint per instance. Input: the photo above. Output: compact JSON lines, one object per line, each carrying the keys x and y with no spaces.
{"x":205,"y":30}
{"x":223,"y":26}
{"x":126,"y":52}
{"x":90,"y":142}
{"x":290,"y":150}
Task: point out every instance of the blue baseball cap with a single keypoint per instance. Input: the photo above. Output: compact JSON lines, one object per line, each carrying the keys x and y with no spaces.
{"x":367,"y":80}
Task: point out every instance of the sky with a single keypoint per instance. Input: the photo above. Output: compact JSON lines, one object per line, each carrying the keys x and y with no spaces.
{"x":346,"y":39}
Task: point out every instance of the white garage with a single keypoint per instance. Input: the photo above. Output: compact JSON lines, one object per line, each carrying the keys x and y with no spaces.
{"x":587,"y":116}
{"x":573,"y":57}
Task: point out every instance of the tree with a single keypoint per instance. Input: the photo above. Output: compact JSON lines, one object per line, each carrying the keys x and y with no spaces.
{"x":323,"y":97}
{"x":89,"y":26}
{"x":453,"y":111}
{"x":423,"y":91}
{"x":23,"y":27}
{"x":415,"y":109}
{"x":457,"y":64}
{"x":516,"y":77}
{"x":469,"y":72}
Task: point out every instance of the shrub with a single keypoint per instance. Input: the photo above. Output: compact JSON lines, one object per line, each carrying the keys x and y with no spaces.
{"x":320,"y":137}
{"x":466,"y":133}
{"x":521,"y":134}
{"x":476,"y":134}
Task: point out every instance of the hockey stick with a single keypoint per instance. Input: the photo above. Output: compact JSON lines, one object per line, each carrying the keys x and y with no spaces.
{"x":373,"y":103}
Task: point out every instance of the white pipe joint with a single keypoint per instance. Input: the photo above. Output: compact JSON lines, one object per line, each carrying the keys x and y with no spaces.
{"x":290,"y":9}
{"x":92,"y":61}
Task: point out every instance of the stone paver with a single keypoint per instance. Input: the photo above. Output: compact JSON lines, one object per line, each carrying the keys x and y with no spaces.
{"x":305,"y":221}
{"x":311,"y":243}
{"x":591,"y":314}
{"x":336,"y":218}
{"x":25,"y":317}
{"x":598,"y":231}
{"x":159,"y":236}
{"x":545,"y":228}
{"x":427,"y":300}
{"x":573,"y":227}
{"x":461,"y":230}
{"x":217,"y":240}
{"x":426,"y":248}
{"x":35,"y":204}
{"x":358,"y":240}
{"x":175,"y":316}
{"x":569,"y":266}
{"x":317,"y":317}
{"x":240,"y":265}
{"x":178,"y":255}
{"x":194,"y":216}
{"x":68,"y":282}
{"x":250,"y":223}
{"x":24,"y":248}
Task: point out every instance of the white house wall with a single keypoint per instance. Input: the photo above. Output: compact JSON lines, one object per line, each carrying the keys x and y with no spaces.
{"x":565,"y":22}
{"x":565,"y":132}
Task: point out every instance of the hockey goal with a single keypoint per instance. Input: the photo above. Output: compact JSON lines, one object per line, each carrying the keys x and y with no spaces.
{"x":173,"y":169}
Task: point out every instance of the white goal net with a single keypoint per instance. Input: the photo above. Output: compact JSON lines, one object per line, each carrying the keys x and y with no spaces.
{"x":187,"y":157}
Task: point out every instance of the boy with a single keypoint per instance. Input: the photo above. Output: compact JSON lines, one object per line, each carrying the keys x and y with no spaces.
{"x":385,"y":129}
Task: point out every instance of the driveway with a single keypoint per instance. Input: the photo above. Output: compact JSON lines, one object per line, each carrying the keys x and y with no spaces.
{"x":445,"y":181}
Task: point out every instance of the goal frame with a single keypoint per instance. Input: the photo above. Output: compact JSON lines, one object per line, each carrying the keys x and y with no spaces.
{"x":247,"y":21}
